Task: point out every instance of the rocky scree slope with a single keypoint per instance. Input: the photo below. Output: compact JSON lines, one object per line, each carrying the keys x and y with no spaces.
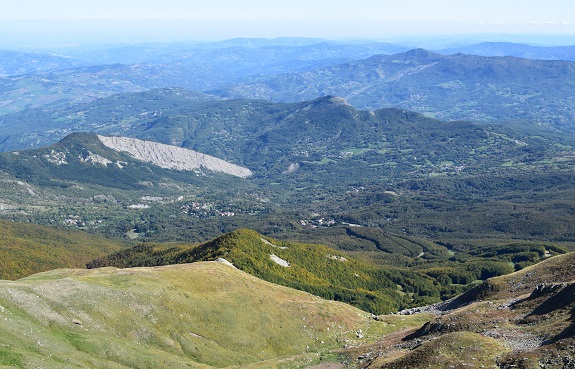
{"x":521,"y":320}
{"x":172,"y":157}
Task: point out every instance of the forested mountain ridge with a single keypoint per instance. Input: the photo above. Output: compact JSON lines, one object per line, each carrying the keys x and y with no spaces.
{"x":315,"y":157}
{"x":316,"y":269}
{"x":273,"y":136}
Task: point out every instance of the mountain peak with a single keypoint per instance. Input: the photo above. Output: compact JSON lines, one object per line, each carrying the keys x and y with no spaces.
{"x":422,"y":53}
{"x":331,"y":100}
{"x":336,"y":100}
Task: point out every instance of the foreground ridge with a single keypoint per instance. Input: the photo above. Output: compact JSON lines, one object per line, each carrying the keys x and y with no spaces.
{"x":200,"y":315}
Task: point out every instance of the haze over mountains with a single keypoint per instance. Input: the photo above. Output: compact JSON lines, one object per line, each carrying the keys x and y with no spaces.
{"x":376,"y":174}
{"x":450,"y":87}
{"x":446,"y":86}
{"x":515,"y":49}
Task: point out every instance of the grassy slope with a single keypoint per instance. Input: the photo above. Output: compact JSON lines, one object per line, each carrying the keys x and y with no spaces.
{"x":390,"y":273}
{"x":558,"y":269}
{"x":27,"y":248}
{"x":452,"y":350}
{"x":197,"y":315}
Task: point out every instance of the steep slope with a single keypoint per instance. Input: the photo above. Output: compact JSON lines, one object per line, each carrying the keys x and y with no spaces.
{"x":447,"y":86}
{"x":524,"y":319}
{"x":202,"y":315}
{"x":172,"y":157}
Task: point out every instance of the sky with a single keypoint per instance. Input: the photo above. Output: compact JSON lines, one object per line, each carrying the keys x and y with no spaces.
{"x":41,"y":22}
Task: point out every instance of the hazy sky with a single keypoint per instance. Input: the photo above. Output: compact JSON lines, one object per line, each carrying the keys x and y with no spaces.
{"x":61,"y":21}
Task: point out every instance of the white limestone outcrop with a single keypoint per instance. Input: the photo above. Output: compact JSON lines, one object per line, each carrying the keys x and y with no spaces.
{"x":172,"y":157}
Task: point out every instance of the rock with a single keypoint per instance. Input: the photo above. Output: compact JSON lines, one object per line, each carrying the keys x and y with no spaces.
{"x":172,"y":157}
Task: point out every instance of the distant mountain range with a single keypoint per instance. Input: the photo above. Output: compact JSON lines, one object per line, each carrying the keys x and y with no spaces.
{"x":444,"y":86}
{"x":261,"y":56}
{"x":517,"y":50}
{"x":14,"y":63}
{"x":458,"y":86}
{"x":239,"y":56}
{"x":69,"y":76}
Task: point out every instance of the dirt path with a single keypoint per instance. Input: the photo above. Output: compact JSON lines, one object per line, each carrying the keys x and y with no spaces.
{"x":326,"y":366}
